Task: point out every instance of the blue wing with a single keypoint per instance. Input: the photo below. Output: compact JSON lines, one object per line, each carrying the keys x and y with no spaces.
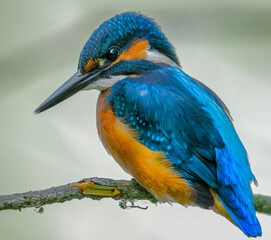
{"x":181,"y":117}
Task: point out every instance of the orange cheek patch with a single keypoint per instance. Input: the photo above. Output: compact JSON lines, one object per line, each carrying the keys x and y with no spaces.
{"x":91,"y":65}
{"x":137,"y":51}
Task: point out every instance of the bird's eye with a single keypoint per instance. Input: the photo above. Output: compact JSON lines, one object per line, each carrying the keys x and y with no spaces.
{"x":112,"y":54}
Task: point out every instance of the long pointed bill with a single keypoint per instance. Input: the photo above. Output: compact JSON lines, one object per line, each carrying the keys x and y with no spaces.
{"x":69,"y":88}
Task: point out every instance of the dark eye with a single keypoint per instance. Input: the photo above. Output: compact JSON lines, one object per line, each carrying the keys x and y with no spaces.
{"x":112,"y":54}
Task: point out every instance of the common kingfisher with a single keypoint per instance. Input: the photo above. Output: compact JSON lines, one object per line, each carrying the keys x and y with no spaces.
{"x":169,"y":131}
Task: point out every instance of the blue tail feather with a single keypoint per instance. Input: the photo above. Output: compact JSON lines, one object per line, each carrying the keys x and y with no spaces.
{"x":243,"y":217}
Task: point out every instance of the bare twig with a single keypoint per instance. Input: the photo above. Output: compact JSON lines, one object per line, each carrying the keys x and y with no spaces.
{"x":119,"y":189}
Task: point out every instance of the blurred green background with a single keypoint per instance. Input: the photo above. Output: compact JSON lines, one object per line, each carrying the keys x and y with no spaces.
{"x":225,"y":44}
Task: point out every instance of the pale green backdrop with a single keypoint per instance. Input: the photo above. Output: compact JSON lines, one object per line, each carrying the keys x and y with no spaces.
{"x":225,"y":44}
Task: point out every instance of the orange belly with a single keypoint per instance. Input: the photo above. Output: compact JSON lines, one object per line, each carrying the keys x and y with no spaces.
{"x":149,"y":168}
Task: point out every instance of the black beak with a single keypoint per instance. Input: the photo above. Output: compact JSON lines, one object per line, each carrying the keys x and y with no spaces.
{"x":77,"y":82}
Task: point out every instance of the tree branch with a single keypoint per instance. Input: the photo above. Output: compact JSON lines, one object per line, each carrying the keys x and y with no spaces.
{"x":100,"y":188}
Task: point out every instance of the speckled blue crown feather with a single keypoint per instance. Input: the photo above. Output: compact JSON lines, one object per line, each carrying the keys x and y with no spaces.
{"x":120,"y":31}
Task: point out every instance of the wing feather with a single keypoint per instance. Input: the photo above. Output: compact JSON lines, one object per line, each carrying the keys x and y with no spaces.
{"x":176,"y":114}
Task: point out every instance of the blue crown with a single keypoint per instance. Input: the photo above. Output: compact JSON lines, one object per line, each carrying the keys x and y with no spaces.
{"x":120,"y":31}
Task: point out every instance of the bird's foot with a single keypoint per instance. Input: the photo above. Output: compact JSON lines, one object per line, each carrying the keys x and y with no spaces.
{"x":95,"y":189}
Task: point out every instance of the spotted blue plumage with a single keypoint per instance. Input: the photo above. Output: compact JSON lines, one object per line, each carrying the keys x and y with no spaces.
{"x":175,"y":114}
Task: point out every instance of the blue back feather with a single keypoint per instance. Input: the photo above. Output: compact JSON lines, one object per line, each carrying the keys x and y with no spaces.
{"x":181,"y":117}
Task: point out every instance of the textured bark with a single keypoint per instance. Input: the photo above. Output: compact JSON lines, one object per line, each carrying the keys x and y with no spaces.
{"x":128,"y":190}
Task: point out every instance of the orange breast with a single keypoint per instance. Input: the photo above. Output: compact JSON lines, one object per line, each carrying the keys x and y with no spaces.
{"x":150,"y":169}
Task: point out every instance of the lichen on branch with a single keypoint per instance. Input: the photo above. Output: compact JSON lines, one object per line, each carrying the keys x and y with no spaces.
{"x":96,"y":189}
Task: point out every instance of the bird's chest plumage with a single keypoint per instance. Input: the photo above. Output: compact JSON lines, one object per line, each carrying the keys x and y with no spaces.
{"x":150,"y":169}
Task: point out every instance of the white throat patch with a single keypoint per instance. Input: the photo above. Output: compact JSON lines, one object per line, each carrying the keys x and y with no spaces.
{"x":104,"y":83}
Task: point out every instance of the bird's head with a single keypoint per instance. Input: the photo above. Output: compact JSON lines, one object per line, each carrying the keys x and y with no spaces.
{"x":126,"y":45}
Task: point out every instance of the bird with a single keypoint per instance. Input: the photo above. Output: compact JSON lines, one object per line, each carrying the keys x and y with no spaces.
{"x":168,"y":130}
